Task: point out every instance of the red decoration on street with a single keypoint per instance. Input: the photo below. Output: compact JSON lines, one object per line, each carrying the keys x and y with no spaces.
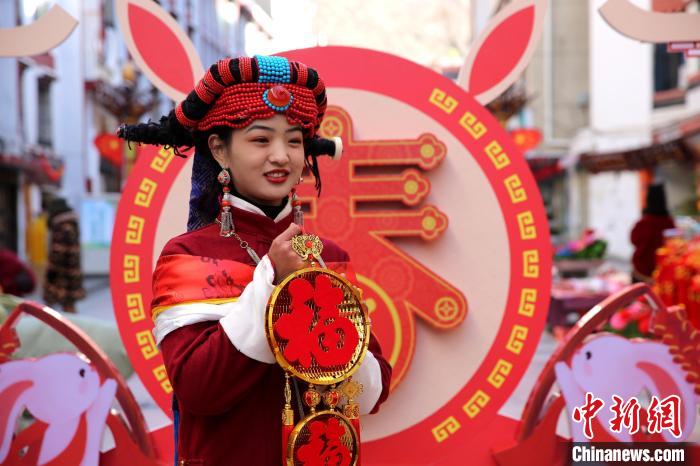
{"x":111,"y":148}
{"x":324,"y":447}
{"x":53,"y":174}
{"x":526,"y":139}
{"x":501,"y":51}
{"x":331,"y":341}
{"x":180,"y":67}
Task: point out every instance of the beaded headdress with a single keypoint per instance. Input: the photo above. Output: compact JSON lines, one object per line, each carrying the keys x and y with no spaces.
{"x":236,"y":91}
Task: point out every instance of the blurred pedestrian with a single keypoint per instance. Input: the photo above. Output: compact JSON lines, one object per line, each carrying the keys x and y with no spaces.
{"x":647,"y":234}
{"x":64,"y":277}
{"x":37,"y":245}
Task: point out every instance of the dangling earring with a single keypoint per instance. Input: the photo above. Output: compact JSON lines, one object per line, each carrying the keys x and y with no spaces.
{"x":227,"y":228}
{"x":296,"y":208}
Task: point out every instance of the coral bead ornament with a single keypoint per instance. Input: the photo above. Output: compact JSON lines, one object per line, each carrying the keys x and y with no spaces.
{"x":278,"y":98}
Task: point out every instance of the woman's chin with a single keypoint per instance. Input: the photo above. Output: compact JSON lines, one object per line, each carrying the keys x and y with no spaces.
{"x":273,"y":196}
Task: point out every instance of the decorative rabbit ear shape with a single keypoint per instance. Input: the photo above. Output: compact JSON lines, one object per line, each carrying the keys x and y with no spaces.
{"x":14,"y":382}
{"x":503,"y":50}
{"x":42,"y":35}
{"x":160,"y":48}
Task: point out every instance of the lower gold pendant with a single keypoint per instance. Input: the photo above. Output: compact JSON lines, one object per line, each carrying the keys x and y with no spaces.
{"x":324,"y":437}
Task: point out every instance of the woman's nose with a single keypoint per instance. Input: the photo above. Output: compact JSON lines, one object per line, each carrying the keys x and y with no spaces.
{"x":278,"y":153}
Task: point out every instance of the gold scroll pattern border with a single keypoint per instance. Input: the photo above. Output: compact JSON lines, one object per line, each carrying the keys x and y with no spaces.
{"x":479,"y":399}
{"x":133,"y":259}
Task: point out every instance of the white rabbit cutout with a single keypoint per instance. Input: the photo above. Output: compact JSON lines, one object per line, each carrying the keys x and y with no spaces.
{"x":59,"y":390}
{"x":608,"y":365}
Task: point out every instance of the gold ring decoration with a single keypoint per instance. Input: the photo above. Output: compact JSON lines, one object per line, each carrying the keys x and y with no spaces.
{"x":327,"y":435}
{"x":317,"y":326}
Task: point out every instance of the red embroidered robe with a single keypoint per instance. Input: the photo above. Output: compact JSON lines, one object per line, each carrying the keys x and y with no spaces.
{"x":230,"y":405}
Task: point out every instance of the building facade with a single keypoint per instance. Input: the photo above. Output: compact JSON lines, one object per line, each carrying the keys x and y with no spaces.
{"x":58,"y":103}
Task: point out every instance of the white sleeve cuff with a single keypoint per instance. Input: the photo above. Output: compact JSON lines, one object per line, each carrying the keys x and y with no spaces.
{"x":244,"y":324}
{"x":370,"y":376}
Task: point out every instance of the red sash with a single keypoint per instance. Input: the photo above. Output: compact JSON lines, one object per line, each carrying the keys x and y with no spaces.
{"x":184,"y":279}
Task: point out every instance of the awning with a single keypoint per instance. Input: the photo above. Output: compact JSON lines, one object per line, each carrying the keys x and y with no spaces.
{"x":544,"y":168}
{"x":636,"y":159}
{"x":38,"y":167}
{"x":676,"y":142}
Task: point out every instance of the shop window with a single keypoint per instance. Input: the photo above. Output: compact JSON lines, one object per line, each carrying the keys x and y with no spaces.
{"x":667,"y":68}
{"x":44,"y":124}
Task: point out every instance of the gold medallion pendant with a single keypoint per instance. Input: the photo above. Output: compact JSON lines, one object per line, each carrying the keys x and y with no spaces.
{"x":318,"y":328}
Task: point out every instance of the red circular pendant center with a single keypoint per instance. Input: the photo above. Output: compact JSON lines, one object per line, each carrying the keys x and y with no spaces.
{"x":279,"y":96}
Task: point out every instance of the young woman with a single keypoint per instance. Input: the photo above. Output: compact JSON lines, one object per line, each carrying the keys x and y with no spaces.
{"x":253,"y":124}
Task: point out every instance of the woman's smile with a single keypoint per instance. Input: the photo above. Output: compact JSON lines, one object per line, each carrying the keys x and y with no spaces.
{"x":277,"y":176}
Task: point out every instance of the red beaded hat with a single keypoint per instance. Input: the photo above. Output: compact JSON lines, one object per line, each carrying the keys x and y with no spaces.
{"x":236,"y":91}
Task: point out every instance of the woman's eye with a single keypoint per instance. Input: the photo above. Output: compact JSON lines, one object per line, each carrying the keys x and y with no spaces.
{"x":295,"y":141}
{"x":260,"y":140}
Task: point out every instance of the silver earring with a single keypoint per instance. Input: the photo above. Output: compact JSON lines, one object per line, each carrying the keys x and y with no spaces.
{"x":227,"y":228}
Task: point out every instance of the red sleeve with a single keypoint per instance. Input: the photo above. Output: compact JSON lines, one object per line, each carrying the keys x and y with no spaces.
{"x":384,"y":367}
{"x":208,"y":374}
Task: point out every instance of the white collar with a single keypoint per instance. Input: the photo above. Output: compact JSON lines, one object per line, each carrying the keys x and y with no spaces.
{"x":248,"y":207}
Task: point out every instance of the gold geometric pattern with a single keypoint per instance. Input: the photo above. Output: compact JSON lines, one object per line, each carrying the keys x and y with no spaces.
{"x":515,"y":189}
{"x":134,"y":229}
{"x":518,"y":335}
{"x":531,"y":263}
{"x":446,"y":308}
{"x":473,"y":126}
{"x":134,"y":304}
{"x":131,"y":268}
{"x":475,"y":403}
{"x":526,"y":225}
{"x":162,"y":377}
{"x":443,"y":101}
{"x":162,"y":159}
{"x":499,"y":373}
{"x":147,"y":189}
{"x":528,"y":299}
{"x":148,"y":345}
{"x":446,"y":428}
{"x":331,"y":126}
{"x":497,"y":155}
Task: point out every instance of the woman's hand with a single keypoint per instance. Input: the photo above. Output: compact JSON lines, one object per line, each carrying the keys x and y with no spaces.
{"x":283,"y":257}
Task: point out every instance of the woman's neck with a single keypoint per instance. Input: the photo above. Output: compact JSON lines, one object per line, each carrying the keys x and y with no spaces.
{"x":270,"y":211}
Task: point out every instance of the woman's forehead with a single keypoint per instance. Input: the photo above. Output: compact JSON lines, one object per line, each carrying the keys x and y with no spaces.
{"x":277,"y":123}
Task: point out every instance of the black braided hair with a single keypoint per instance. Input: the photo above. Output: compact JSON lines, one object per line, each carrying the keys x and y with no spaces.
{"x":314,"y":148}
{"x":168,"y":133}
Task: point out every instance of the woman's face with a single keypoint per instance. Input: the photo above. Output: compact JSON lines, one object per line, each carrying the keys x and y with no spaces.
{"x":266,"y":159}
